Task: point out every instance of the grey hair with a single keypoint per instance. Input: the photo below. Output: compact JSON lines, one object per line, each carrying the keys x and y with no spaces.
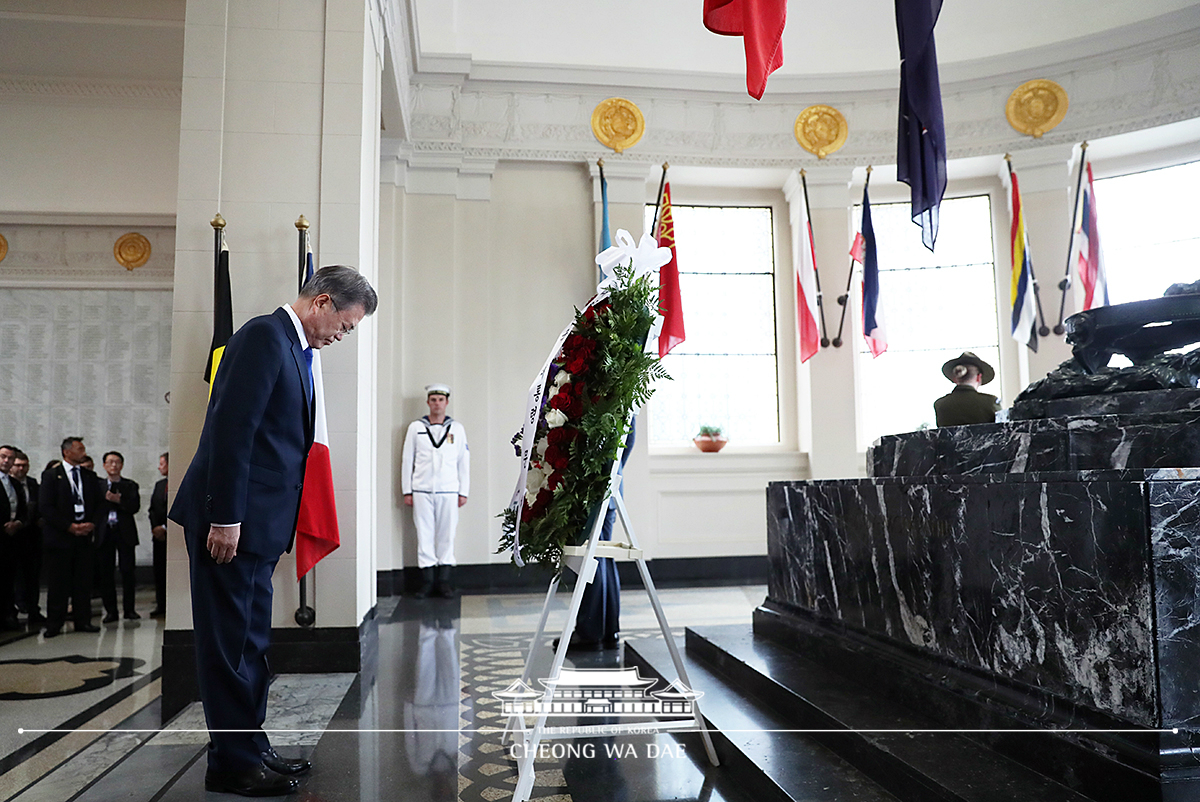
{"x":345,"y":285}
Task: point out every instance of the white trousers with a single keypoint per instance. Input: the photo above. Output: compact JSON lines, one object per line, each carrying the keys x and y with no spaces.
{"x":436,"y":517}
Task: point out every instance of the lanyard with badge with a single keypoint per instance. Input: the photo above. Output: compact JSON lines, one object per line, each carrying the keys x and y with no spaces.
{"x":77,"y":490}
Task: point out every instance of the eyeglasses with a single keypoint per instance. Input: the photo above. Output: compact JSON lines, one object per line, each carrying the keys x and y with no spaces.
{"x":344,"y":330}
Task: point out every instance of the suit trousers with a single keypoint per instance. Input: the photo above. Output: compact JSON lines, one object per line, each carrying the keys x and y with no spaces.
{"x":109,"y":553}
{"x":8,"y":576}
{"x":160,"y":574}
{"x":69,"y":574}
{"x":600,"y":608}
{"x":231,"y":616}
{"x":436,"y":517}
{"x":29,"y":570}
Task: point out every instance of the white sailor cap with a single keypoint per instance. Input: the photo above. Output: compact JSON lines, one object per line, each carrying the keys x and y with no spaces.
{"x":430,"y":389}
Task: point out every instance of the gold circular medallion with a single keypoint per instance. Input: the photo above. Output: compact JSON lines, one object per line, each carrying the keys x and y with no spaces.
{"x":821,"y":130}
{"x":131,"y":250}
{"x":618,"y":123}
{"x":1036,"y":106}
{"x":3,"y":247}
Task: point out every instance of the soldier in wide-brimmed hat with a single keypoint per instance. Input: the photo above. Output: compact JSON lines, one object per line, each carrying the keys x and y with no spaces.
{"x":965,"y":404}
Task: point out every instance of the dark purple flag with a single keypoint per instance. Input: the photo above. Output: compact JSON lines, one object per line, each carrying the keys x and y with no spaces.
{"x":921,"y":148}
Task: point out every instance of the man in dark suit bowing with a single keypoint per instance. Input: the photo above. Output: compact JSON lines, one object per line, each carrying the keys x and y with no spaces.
{"x":69,"y":502}
{"x":117,"y":537}
{"x":238,"y":504}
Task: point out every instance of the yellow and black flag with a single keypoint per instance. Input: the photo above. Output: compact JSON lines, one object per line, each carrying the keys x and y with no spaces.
{"x":222,"y":314}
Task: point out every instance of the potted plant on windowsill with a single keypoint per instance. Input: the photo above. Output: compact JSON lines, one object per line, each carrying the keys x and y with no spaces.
{"x":710,"y":439}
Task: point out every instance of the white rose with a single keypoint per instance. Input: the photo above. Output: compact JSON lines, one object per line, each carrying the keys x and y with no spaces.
{"x":539,"y":449}
{"x":552,"y":392}
{"x":555,"y":418}
{"x":535,"y":480}
{"x":562,"y":378}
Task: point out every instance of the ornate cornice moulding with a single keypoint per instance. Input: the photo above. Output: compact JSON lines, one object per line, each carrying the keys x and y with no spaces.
{"x":164,"y":94}
{"x":1111,"y":95}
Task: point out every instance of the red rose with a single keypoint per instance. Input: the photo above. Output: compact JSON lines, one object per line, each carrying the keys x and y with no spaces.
{"x":575,"y":410}
{"x":556,"y":457}
{"x":554,"y":480}
{"x":560,"y":401}
{"x":526,"y":513}
{"x":542,"y":501}
{"x":562,"y":436}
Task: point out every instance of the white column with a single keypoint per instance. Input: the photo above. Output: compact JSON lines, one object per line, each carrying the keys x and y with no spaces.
{"x":280,"y":117}
{"x":826,"y":391}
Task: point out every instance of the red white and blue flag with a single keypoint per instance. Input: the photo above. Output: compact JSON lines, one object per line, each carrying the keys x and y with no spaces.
{"x":317,"y":527}
{"x":806,"y":288}
{"x":1091,"y":281}
{"x":864,"y":252}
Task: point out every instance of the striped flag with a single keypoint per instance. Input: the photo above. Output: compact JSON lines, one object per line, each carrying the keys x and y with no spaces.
{"x":670,"y":304}
{"x":317,"y":526}
{"x":222,"y":314}
{"x":1091,"y":281}
{"x":1024,"y":313}
{"x":864,"y":252}
{"x":806,"y":287}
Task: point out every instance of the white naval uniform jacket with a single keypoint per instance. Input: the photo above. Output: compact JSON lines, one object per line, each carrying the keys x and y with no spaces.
{"x":428,"y":468}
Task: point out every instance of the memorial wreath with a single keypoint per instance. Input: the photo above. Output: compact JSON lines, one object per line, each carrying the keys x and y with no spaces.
{"x":579,"y":408}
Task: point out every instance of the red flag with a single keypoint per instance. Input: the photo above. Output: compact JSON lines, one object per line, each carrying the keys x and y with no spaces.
{"x":669,"y":302}
{"x":806,"y":290}
{"x":858,"y":251}
{"x":761,"y":23}
{"x":317,"y":526}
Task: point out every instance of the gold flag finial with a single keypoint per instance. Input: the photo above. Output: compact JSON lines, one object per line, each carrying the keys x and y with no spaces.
{"x":218,"y":221}
{"x":302,"y":224}
{"x":869,"y":169}
{"x":599,"y":162}
{"x":1008,"y":158}
{"x":665,"y":165}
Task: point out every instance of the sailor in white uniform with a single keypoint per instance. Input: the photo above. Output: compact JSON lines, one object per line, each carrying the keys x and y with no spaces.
{"x":435,"y":477}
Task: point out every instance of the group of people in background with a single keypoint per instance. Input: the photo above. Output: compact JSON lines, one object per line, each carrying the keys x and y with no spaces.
{"x":77,"y":528}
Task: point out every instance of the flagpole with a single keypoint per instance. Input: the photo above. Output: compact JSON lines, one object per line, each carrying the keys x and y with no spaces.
{"x":218,"y":224}
{"x":302,"y":229}
{"x":305,"y":616}
{"x":844,"y":298}
{"x":816,"y":273}
{"x":1043,"y":330}
{"x":1066,"y":281}
{"x":658,"y":201}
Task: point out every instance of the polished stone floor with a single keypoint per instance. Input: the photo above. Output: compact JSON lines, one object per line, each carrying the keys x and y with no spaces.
{"x":79,"y":714}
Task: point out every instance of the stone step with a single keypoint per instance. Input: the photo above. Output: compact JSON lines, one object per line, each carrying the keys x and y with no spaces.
{"x":757,"y":752}
{"x":870,"y":732}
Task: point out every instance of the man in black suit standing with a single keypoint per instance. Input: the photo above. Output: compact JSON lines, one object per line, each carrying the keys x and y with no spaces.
{"x":28,"y":542}
{"x":116,"y":537}
{"x":158,"y":531}
{"x":13,"y":515}
{"x":238,"y":504}
{"x":69,"y":502}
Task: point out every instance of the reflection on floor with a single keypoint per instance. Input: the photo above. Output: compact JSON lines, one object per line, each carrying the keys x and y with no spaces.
{"x":81,"y":712}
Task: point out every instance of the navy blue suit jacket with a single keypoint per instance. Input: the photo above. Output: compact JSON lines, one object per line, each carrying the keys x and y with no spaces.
{"x":249,"y":466}
{"x":56,"y":504}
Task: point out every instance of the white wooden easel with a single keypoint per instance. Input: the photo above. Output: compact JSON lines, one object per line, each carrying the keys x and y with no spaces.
{"x":583,"y":560}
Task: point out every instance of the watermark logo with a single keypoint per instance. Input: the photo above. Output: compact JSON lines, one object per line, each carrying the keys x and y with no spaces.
{"x":605,"y":692}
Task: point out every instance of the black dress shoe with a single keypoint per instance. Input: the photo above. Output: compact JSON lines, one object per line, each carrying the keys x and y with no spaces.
{"x":258,"y":781}
{"x":110,"y":618}
{"x":86,"y":628}
{"x":52,"y":632}
{"x":282,"y":765}
{"x":131,"y":615}
{"x":157,"y":613}
{"x":611,"y":643}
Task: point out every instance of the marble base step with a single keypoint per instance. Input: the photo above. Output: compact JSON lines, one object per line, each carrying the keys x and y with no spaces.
{"x":758,"y":751}
{"x":754,"y":677}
